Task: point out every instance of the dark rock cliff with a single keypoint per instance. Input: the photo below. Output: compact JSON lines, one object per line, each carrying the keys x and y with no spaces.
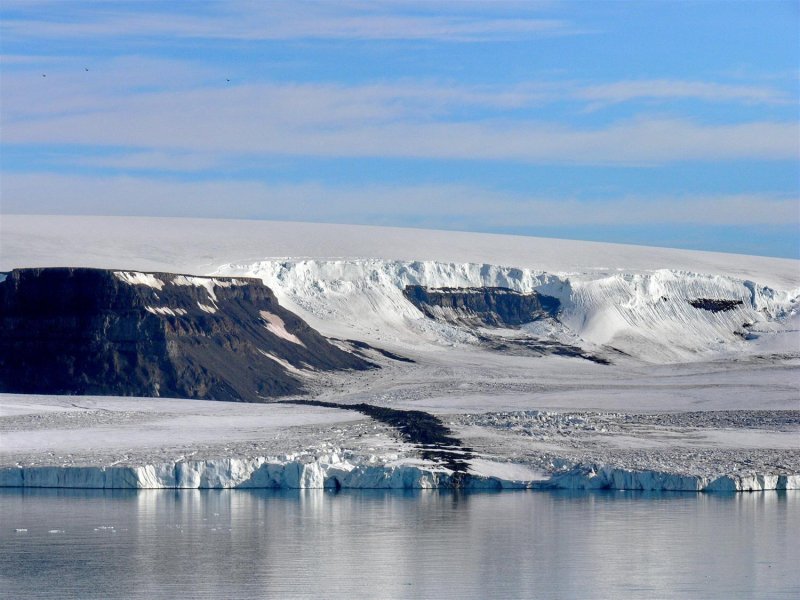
{"x":102,"y":332}
{"x":713,"y":305}
{"x":492,"y":306}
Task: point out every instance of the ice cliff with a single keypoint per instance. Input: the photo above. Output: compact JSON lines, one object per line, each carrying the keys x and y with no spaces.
{"x":332,"y":471}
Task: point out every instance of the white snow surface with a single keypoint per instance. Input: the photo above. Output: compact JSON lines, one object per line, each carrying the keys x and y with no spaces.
{"x":199,"y":246}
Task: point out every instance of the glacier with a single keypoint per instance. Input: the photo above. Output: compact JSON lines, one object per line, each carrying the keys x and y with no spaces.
{"x":331,"y":471}
{"x":648,"y":315}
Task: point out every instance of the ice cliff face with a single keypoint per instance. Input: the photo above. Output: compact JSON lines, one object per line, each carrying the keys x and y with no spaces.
{"x":334,"y":472}
{"x":288,"y":472}
{"x":94,"y":331}
{"x":598,"y":477}
{"x":658,"y":316}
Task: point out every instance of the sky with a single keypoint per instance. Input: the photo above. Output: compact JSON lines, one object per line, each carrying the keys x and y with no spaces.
{"x":658,"y":123}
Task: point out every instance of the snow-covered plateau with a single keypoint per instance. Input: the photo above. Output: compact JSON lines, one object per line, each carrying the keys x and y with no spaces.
{"x":657,"y":369}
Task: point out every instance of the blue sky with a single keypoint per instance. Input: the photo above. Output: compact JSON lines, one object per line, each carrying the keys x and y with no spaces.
{"x":660,"y":123}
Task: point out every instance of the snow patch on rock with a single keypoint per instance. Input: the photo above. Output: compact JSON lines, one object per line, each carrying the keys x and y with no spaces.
{"x":276,"y":326}
{"x":165,"y":311}
{"x":284,"y":363}
{"x":209,"y":283}
{"x":136,"y":278}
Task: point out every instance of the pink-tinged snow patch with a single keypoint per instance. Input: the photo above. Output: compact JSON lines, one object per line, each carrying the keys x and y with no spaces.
{"x":285,"y":364}
{"x":276,"y":326}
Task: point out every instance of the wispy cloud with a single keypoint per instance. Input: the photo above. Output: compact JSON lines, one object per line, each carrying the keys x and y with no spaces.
{"x":426,"y":205}
{"x":148,"y":161}
{"x":666,"y":89}
{"x":401,"y":120}
{"x":269,"y":20}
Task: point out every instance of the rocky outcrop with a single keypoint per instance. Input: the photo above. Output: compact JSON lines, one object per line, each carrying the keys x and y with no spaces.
{"x":102,"y":332}
{"x":480,"y":309}
{"x":715,"y":305}
{"x":491,"y":306}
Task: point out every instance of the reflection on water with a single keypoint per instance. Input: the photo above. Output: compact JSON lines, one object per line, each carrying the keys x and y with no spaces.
{"x":244,"y":544}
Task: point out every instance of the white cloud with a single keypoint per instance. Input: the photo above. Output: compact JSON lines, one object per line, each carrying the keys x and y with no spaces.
{"x":289,"y":20}
{"x":666,"y":89}
{"x":159,"y":161}
{"x":408,"y":120}
{"x":428,"y":205}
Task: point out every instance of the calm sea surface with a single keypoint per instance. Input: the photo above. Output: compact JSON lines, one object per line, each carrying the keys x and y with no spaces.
{"x":315,"y":544}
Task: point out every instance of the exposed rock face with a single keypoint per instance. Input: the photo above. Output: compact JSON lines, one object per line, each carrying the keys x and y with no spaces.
{"x":101,"y":332}
{"x":492,"y":306}
{"x":713,"y":305}
{"x":480,"y":309}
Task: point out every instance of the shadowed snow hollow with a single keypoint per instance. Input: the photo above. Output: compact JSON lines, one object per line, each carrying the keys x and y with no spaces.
{"x":659,"y":316}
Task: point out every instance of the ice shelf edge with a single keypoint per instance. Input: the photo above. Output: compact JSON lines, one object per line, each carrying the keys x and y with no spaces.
{"x":333,"y":473}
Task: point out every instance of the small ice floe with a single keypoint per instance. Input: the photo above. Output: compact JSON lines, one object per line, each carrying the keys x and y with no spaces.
{"x":56,"y":531}
{"x":21,"y":530}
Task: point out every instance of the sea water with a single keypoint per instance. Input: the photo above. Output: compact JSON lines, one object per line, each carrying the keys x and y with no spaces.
{"x":423,"y":544}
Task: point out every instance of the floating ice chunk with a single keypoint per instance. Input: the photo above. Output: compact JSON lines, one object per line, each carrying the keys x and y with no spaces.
{"x":21,"y":530}
{"x":137,"y":278}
